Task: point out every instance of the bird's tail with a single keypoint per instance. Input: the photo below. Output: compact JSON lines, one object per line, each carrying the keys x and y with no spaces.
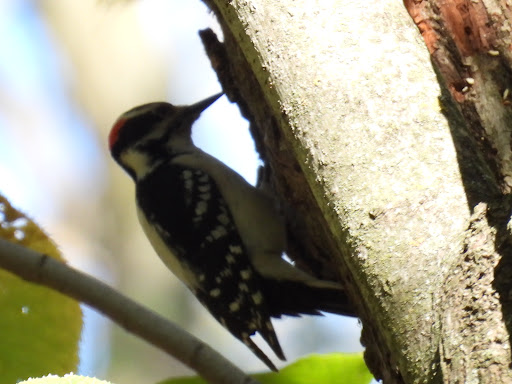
{"x":294,"y":298}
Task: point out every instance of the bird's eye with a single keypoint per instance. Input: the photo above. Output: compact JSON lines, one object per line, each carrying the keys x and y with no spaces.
{"x":163,"y":110}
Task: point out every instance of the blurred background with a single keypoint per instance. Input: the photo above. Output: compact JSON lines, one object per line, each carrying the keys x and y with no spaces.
{"x":68,"y":69}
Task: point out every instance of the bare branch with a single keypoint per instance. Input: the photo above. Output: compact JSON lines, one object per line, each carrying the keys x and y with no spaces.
{"x":44,"y":270}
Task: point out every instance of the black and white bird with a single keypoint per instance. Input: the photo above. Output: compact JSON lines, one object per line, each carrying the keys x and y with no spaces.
{"x":223,"y":238}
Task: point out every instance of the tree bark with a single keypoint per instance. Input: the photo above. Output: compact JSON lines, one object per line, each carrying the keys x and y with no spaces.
{"x":469,"y":43}
{"x":407,"y":207}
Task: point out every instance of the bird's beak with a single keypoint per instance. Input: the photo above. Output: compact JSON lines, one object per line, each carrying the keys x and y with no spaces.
{"x":202,"y":105}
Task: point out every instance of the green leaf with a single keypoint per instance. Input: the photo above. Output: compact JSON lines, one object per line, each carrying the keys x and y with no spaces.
{"x":335,"y":368}
{"x":39,"y":328}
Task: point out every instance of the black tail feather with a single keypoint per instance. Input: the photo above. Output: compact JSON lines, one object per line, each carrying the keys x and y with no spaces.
{"x":295,"y":298}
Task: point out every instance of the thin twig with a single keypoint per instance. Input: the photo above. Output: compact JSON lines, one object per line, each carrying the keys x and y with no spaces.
{"x":45,"y":270}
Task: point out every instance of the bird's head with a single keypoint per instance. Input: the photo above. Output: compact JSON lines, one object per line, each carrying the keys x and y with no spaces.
{"x":145,"y":135}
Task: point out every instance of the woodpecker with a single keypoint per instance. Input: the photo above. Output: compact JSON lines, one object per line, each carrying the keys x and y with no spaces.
{"x":222,"y":237}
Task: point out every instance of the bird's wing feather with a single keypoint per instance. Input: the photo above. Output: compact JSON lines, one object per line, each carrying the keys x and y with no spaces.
{"x":201,"y":232}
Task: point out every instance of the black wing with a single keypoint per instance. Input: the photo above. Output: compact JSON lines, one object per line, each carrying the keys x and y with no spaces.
{"x":196,"y":223}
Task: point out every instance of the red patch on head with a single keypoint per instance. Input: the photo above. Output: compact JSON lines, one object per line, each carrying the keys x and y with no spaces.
{"x":114,"y":132}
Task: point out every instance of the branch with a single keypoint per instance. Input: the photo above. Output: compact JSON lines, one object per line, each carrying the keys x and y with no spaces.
{"x":44,"y":270}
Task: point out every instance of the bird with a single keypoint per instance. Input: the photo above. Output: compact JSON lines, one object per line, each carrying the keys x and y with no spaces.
{"x":221,"y":236}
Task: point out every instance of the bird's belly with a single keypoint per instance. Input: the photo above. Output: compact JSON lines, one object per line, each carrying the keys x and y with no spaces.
{"x":167,"y":255}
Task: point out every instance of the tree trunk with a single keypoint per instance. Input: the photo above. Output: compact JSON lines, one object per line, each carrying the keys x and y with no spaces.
{"x":406,"y":205}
